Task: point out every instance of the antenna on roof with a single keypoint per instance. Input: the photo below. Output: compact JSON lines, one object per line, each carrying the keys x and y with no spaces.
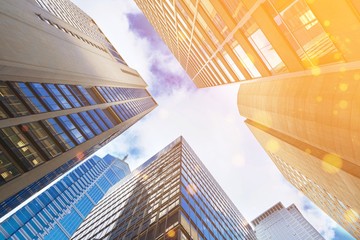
{"x":126,"y":156}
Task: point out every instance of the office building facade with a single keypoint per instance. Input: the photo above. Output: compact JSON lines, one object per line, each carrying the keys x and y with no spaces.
{"x":308,"y":121}
{"x":170,"y":196}
{"x":219,"y":42}
{"x":278,"y":223}
{"x":65,"y":92}
{"x":299,"y":60}
{"x":58,"y":211}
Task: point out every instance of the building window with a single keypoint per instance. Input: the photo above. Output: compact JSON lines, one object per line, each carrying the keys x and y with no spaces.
{"x":29,"y":97}
{"x":8,"y":170}
{"x":80,"y":97}
{"x":98,"y":120}
{"x":42,"y":139}
{"x":58,"y":96}
{"x":82,"y":125}
{"x":44,"y":96}
{"x":72,"y":99}
{"x":11,"y":102}
{"x":70,"y":127}
{"x":18,"y":144}
{"x":91,"y":122}
{"x":58,"y":133}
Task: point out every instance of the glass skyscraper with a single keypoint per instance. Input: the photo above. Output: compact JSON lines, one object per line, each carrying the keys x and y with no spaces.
{"x":279,"y":223}
{"x":170,"y":196}
{"x":64,"y":93}
{"x":298,"y":64}
{"x":57,"y":211}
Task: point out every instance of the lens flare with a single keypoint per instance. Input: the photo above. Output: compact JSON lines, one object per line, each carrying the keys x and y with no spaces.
{"x":272,"y":146}
{"x":331,"y":163}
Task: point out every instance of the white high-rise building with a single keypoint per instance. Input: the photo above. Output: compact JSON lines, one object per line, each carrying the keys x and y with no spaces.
{"x":278,"y":223}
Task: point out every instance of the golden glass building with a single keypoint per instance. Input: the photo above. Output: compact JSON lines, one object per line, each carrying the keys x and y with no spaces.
{"x":298,"y":61}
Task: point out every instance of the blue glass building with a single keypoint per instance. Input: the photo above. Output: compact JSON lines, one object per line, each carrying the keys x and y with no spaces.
{"x":59,"y":210}
{"x":170,"y":196}
{"x":64,"y":93}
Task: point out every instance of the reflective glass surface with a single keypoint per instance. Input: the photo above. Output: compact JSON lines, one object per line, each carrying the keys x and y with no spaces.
{"x":58,"y":211}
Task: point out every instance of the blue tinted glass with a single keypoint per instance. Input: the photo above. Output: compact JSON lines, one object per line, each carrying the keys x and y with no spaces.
{"x":82,"y":125}
{"x":98,"y":120}
{"x":71,"y":221}
{"x":58,"y":96}
{"x":72,"y":129}
{"x":29,"y":233}
{"x":70,"y":96}
{"x":30,"y":98}
{"x":23,"y":215}
{"x":44,"y":96}
{"x":84,"y":205}
{"x":86,"y":95}
{"x":9,"y":227}
{"x":35,"y":206}
{"x":91,"y":122}
{"x":56,"y":233}
{"x":103,"y":116}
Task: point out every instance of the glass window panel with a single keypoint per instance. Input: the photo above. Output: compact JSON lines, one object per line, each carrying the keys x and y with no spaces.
{"x":29,"y":97}
{"x":246,"y":61}
{"x":70,"y":127}
{"x":82,"y":125}
{"x":8,"y":170}
{"x":18,"y":144}
{"x":11,"y":102}
{"x":3,"y":115}
{"x":72,"y":99}
{"x":42,"y":138}
{"x":80,"y":97}
{"x":58,"y":96}
{"x":98,"y":120}
{"x":263,"y":47}
{"x":304,"y":32}
{"x":91,"y":122}
{"x":44,"y":96}
{"x":86,"y":95}
{"x":104,"y":117}
{"x":59,"y":133}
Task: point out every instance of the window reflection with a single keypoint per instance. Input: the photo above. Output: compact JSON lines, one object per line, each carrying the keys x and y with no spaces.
{"x":82,"y":125}
{"x":8,"y":170}
{"x":19,"y":145}
{"x":70,"y":127}
{"x":42,"y":138}
{"x":58,"y":96}
{"x":66,"y":92}
{"x":59,"y":134}
{"x":29,"y":97}
{"x":44,"y":96}
{"x":266,"y":51}
{"x":11,"y":102}
{"x":304,"y":32}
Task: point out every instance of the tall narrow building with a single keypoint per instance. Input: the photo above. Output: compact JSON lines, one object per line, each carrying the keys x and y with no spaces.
{"x":64,"y":90}
{"x":298,"y":61}
{"x":57,"y":211}
{"x":170,"y":196}
{"x":279,"y":223}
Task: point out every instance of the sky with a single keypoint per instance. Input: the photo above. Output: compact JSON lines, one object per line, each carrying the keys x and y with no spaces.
{"x":207,"y":118}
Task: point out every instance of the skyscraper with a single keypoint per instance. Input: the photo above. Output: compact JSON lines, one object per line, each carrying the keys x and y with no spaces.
{"x":65,"y":92}
{"x":219,"y":42}
{"x":278,"y":223}
{"x":172,"y":196}
{"x":299,"y":60}
{"x":56,"y":212}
